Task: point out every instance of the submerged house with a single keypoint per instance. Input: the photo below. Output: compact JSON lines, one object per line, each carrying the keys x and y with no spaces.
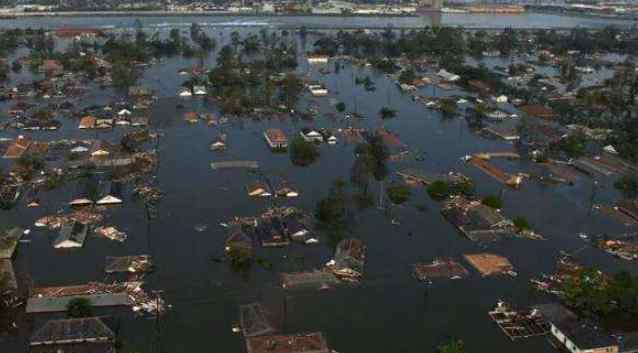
{"x":72,"y":235}
{"x":259,"y":190}
{"x":272,"y":234}
{"x":87,"y":122}
{"x":295,"y":229}
{"x":576,"y":335}
{"x":276,"y":139}
{"x":310,"y":135}
{"x":299,"y":343}
{"x":109,"y":193}
{"x":101,"y":148}
{"x":237,"y":239}
{"x":191,"y":117}
{"x":89,"y":334}
{"x":349,"y":259}
{"x":85,"y":192}
{"x":199,"y":90}
{"x":254,"y":320}
{"x":18,"y":147}
{"x":488,"y":217}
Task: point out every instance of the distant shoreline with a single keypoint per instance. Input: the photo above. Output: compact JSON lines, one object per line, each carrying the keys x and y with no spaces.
{"x":153,"y":13}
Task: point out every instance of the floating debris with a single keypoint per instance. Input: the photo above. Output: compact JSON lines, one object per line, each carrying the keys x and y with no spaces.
{"x":349,"y":260}
{"x":519,"y":324}
{"x":111,"y":233}
{"x":131,"y":264}
{"x":200,"y":227}
{"x":85,"y":216}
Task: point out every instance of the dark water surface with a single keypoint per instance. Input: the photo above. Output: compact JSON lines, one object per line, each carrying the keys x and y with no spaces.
{"x":389,"y":312}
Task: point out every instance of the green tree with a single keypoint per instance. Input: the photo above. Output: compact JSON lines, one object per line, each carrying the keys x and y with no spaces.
{"x":240,"y":258}
{"x":292,"y":87}
{"x":407,"y":76}
{"x":521,"y":223}
{"x":341,"y":107}
{"x":493,"y":202}
{"x":398,"y":194}
{"x":387,"y":113}
{"x":628,"y":185}
{"x":79,"y":307}
{"x":302,"y":152}
{"x":454,"y":346}
{"x":123,"y":75}
{"x":439,"y":190}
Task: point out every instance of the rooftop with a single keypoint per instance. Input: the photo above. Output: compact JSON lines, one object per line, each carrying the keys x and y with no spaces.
{"x":538,"y":111}
{"x":307,"y":343}
{"x":583,"y":334}
{"x":9,"y":242}
{"x":68,"y":331}
{"x":254,"y":321}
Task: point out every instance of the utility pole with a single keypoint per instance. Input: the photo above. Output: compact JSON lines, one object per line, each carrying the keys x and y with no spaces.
{"x":157,"y":339}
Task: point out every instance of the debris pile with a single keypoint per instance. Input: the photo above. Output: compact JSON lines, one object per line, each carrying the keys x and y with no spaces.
{"x":519,"y":324}
{"x":349,"y":260}
{"x":566,"y":269}
{"x":84,"y":216}
{"x":139,"y":300}
{"x":132,"y":264}
{"x":148,"y":193}
{"x":111,"y":233}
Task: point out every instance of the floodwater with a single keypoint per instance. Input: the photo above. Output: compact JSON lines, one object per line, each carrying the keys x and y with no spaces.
{"x":389,"y":312}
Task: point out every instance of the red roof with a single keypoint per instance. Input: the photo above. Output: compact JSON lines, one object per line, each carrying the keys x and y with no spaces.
{"x":276,"y":136}
{"x":538,"y":111}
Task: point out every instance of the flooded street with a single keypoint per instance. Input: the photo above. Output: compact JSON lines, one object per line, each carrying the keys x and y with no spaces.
{"x":389,"y":312}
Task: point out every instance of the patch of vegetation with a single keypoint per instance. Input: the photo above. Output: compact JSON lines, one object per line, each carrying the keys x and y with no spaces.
{"x":240,"y":258}
{"x":407,"y":76}
{"x":341,"y":107}
{"x":493,"y":202}
{"x":574,"y":145}
{"x":593,"y":293}
{"x":439,"y":190}
{"x":387,"y":113}
{"x":398,"y":194}
{"x":79,"y":307}
{"x":264,"y":263}
{"x":331,"y":213}
{"x":628,"y":185}
{"x":302,"y":152}
{"x":521,"y":223}
{"x":454,"y":346}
